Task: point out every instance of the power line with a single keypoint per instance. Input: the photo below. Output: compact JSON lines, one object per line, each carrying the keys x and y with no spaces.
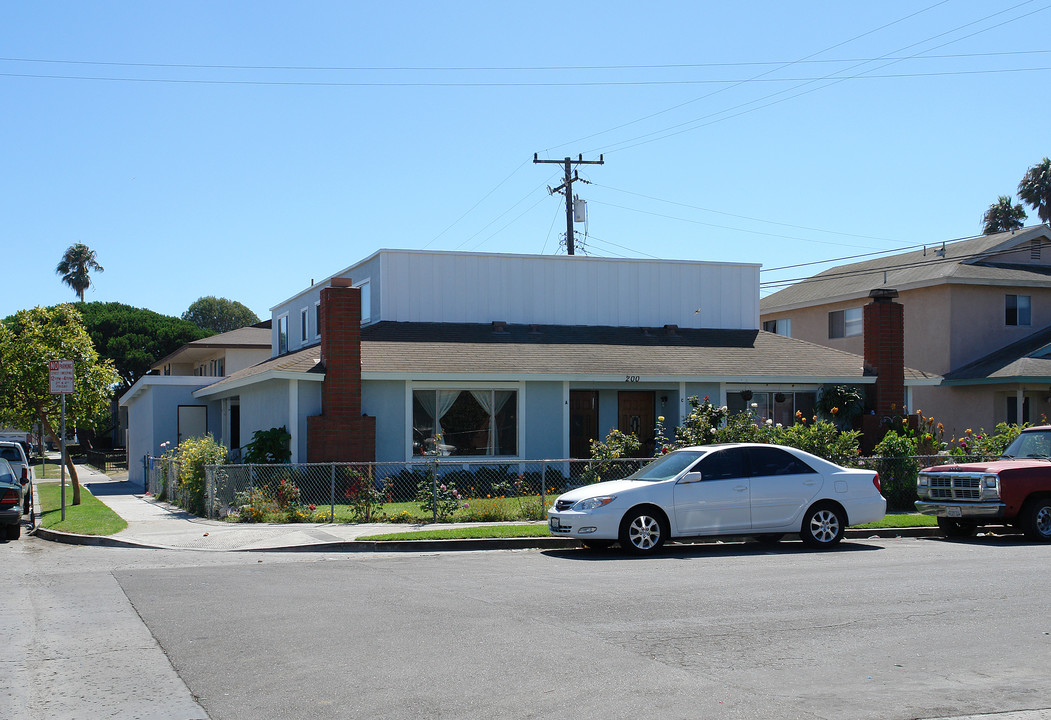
{"x":741,"y":217}
{"x":526,"y":68}
{"x":716,"y":92}
{"x":692,"y":124}
{"x":871,"y":271}
{"x":500,"y":84}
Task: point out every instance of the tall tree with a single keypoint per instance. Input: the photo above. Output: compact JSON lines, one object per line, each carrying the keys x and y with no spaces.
{"x":135,"y":338}
{"x":1003,"y":215}
{"x":27,"y":342}
{"x":1035,"y":189}
{"x":76,"y":266}
{"x":219,"y":314}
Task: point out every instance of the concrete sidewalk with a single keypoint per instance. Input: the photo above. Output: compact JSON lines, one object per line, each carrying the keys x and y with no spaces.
{"x":155,"y":524}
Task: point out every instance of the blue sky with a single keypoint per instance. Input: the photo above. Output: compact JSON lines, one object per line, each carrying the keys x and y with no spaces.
{"x":244,"y":149}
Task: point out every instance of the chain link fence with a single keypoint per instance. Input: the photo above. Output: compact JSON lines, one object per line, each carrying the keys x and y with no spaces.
{"x":897,"y":475}
{"x":435,"y":490}
{"x":427,"y":491}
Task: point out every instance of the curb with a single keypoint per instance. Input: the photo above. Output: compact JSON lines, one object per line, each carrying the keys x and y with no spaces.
{"x":528,"y":543}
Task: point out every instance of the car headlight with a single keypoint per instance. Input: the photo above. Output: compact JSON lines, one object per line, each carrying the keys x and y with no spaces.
{"x":593,"y":503}
{"x":921,"y":480}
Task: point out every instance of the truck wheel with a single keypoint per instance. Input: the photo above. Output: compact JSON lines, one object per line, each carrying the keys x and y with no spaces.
{"x":953,"y":528}
{"x":1036,"y":520}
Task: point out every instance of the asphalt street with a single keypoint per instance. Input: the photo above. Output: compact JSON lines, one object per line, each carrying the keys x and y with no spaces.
{"x":890,"y":628}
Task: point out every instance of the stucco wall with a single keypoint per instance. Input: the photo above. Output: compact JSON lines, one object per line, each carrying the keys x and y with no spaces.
{"x":545,"y":432}
{"x":385,"y":400}
{"x":264,"y":406}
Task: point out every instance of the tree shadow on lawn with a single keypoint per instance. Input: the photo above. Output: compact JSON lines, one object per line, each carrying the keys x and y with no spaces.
{"x":731,"y":548}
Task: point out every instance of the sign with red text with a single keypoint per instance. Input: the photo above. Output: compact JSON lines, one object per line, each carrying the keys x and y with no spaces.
{"x":60,"y":377}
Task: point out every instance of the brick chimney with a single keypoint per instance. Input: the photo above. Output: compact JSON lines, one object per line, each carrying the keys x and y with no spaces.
{"x":884,"y":323}
{"x":340,"y":433}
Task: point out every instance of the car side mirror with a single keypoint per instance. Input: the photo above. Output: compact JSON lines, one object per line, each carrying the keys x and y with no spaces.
{"x":691,"y":477}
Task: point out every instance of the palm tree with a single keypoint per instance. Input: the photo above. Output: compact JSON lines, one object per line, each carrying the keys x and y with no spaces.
{"x":76,"y":263}
{"x":1003,"y":216}
{"x":1035,"y":189}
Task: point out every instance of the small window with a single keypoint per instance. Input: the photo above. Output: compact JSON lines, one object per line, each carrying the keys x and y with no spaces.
{"x":846,"y":323}
{"x":366,"y":301}
{"x":317,"y":319}
{"x":783,"y":326}
{"x":1018,"y":310}
{"x":304,"y":319}
{"x":221,"y":367}
{"x":282,"y":335}
{"x":1012,"y":410}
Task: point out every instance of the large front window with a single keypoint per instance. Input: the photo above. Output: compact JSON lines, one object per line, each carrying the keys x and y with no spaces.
{"x":465,"y":422}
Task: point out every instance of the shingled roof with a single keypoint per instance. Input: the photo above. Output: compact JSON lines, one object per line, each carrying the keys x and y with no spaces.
{"x":964,"y":261}
{"x":1027,"y":360}
{"x":432,"y":350}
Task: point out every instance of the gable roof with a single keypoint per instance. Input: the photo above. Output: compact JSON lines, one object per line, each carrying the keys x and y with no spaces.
{"x":964,"y":261}
{"x":254,"y":337}
{"x":1027,"y":360}
{"x":462,"y":352}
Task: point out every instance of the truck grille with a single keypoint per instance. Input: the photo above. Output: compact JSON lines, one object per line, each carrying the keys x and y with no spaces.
{"x":955,"y":487}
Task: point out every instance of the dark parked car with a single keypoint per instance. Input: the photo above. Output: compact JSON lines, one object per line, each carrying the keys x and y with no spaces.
{"x":12,"y":492}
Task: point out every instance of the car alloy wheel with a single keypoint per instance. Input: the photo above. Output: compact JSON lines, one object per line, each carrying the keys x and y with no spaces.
{"x":822,"y":527}
{"x":642,"y":532}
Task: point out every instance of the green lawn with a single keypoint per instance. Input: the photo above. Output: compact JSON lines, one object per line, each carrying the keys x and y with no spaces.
{"x":490,"y":531}
{"x":91,"y":517}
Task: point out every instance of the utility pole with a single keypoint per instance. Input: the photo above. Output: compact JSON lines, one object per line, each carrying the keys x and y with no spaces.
{"x":567,"y":186}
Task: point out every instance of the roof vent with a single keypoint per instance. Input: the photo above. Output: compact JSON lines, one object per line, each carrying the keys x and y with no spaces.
{"x":671,"y":330}
{"x":500,"y":327}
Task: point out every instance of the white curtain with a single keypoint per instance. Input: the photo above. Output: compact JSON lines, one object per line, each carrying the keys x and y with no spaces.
{"x":485,"y":398}
{"x":437,"y":403}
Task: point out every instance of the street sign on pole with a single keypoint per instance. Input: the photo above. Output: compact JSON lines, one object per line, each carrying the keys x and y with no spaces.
{"x":61,"y":377}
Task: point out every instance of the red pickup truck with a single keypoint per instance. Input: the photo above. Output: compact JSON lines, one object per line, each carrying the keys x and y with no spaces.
{"x":1014,"y":490}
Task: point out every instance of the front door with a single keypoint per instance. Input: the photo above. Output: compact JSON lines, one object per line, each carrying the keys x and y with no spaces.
{"x":583,"y":422}
{"x":635,"y":414}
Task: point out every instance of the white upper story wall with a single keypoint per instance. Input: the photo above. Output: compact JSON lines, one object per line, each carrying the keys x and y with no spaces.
{"x":459,"y":287}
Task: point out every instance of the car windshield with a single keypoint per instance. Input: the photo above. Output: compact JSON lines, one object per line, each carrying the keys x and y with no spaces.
{"x":1030,"y":444}
{"x":668,"y":466}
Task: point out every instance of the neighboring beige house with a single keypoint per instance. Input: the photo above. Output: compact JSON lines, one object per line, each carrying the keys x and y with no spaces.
{"x":219,"y":355}
{"x":171,"y":383}
{"x":977,"y":312}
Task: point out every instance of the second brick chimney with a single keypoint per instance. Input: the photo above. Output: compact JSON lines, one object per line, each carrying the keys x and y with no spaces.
{"x":884,"y":323}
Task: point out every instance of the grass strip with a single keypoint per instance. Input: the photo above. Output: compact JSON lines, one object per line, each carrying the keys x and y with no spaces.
{"x":905,"y":520}
{"x":467,"y":533}
{"x":91,"y":517}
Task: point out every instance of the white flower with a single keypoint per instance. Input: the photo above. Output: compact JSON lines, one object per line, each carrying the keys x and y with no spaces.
{"x":769,"y":421}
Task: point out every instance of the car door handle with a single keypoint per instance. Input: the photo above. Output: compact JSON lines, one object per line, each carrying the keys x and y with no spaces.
{"x":741,"y":488}
{"x":810,"y":482}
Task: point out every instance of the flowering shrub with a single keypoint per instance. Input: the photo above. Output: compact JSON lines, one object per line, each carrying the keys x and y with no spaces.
{"x":982,"y":443}
{"x":438,"y":498}
{"x":193,"y":454}
{"x":363,"y":498}
{"x":617,"y":445}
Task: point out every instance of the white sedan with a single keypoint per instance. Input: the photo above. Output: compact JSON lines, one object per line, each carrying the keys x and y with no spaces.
{"x":734,"y":489}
